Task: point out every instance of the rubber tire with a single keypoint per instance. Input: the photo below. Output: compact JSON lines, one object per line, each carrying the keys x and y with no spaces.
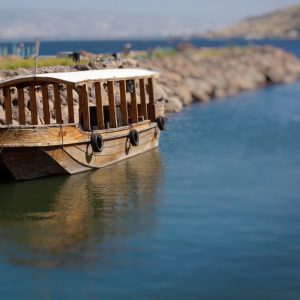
{"x":134,"y":137}
{"x":161,"y":123}
{"x":97,"y":142}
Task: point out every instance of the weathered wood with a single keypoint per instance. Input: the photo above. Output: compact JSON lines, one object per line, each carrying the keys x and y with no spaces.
{"x":134,"y":109}
{"x":84,"y":110}
{"x":7,"y":106}
{"x":57,"y":103}
{"x":67,"y":147}
{"x":124,"y":108}
{"x":70,"y":100}
{"x":112,"y":104}
{"x":75,"y":157}
{"x":99,"y":105}
{"x":151,"y":100}
{"x":30,"y":163}
{"x":21,"y":106}
{"x":115,"y":150}
{"x":33,"y":107}
{"x":45,"y":98}
{"x":45,"y":136}
{"x":143,"y":99}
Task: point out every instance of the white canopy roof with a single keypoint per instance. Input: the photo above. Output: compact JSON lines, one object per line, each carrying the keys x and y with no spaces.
{"x":106,"y":74}
{"x":85,"y":76}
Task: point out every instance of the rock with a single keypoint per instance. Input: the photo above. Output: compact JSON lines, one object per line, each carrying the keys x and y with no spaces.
{"x":184,"y":93}
{"x":173,"y":104}
{"x":219,"y":93}
{"x":276,"y":74}
{"x":82,"y":67}
{"x":160,"y":92}
{"x":200,"y":89}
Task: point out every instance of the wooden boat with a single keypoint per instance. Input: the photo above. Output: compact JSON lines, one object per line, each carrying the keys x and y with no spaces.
{"x":77,"y":121}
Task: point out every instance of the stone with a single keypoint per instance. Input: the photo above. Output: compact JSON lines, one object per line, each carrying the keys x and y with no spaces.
{"x":200,"y":89}
{"x":173,"y":104}
{"x":184,"y":93}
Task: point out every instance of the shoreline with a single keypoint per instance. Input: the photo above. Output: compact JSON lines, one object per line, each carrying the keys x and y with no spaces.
{"x":193,"y":74}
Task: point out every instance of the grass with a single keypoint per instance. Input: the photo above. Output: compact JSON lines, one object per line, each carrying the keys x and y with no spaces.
{"x":162,"y":52}
{"x":156,"y":53}
{"x":211,"y":52}
{"x":14,"y":63}
{"x":218,"y":52}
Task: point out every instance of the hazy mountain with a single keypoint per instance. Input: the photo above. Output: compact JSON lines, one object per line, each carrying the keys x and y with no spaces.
{"x":87,"y":24}
{"x":283,"y":23}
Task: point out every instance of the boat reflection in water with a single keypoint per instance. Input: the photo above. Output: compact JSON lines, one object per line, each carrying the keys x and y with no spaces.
{"x":66,"y":220}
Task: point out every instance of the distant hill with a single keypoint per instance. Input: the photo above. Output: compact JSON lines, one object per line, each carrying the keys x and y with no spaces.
{"x":283,"y":23}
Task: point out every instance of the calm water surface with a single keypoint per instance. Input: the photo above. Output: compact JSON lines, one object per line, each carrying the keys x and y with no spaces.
{"x":102,"y":46}
{"x":213,"y":214}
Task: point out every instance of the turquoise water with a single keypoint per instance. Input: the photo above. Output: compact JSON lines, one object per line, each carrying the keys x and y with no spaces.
{"x":213,"y":214}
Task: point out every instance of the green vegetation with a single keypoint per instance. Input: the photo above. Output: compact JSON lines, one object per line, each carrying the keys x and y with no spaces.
{"x":211,"y":52}
{"x":14,"y":62}
{"x":162,"y":52}
{"x":156,"y":53}
{"x":218,"y":52}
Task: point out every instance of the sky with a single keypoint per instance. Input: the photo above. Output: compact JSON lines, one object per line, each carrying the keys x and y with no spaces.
{"x":111,"y":19}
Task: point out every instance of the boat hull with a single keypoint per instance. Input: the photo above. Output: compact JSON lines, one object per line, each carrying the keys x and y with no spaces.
{"x":70,"y":156}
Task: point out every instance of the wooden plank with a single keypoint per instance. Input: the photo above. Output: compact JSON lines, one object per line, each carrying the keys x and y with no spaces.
{"x":112,"y":104}
{"x":21,"y":106}
{"x":124,"y":108}
{"x":42,"y":136}
{"x":8,"y":106}
{"x":134,"y":109}
{"x":45,"y":99}
{"x":143,"y":99}
{"x":99,"y":105}
{"x":33,"y":107}
{"x":151,"y":100}
{"x":74,"y":157}
{"x":84,"y":108}
{"x":57,"y":103}
{"x":70,"y":100}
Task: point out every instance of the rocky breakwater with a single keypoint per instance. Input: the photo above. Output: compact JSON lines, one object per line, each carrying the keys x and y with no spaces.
{"x":208,"y":74}
{"x":187,"y":76}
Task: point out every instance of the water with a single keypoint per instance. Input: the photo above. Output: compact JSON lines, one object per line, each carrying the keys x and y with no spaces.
{"x":213,"y":214}
{"x":53,"y":47}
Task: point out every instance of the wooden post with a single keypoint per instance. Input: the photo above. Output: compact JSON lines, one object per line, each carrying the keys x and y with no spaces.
{"x":134,"y":109}
{"x":21,"y":106}
{"x":151,"y":100}
{"x":143,"y":99}
{"x":124,"y":109}
{"x":8,"y":106}
{"x":99,"y":105}
{"x":33,"y":108}
{"x":46,"y":110}
{"x":71,"y":118}
{"x":57,"y":103}
{"x":84,"y":110}
{"x":112,"y":104}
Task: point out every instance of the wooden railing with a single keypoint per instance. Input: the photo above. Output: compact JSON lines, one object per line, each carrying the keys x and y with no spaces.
{"x":45,"y":103}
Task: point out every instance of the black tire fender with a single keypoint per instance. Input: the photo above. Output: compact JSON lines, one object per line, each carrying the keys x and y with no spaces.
{"x":134,"y":137}
{"x":97,"y":142}
{"x":161,"y":123}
